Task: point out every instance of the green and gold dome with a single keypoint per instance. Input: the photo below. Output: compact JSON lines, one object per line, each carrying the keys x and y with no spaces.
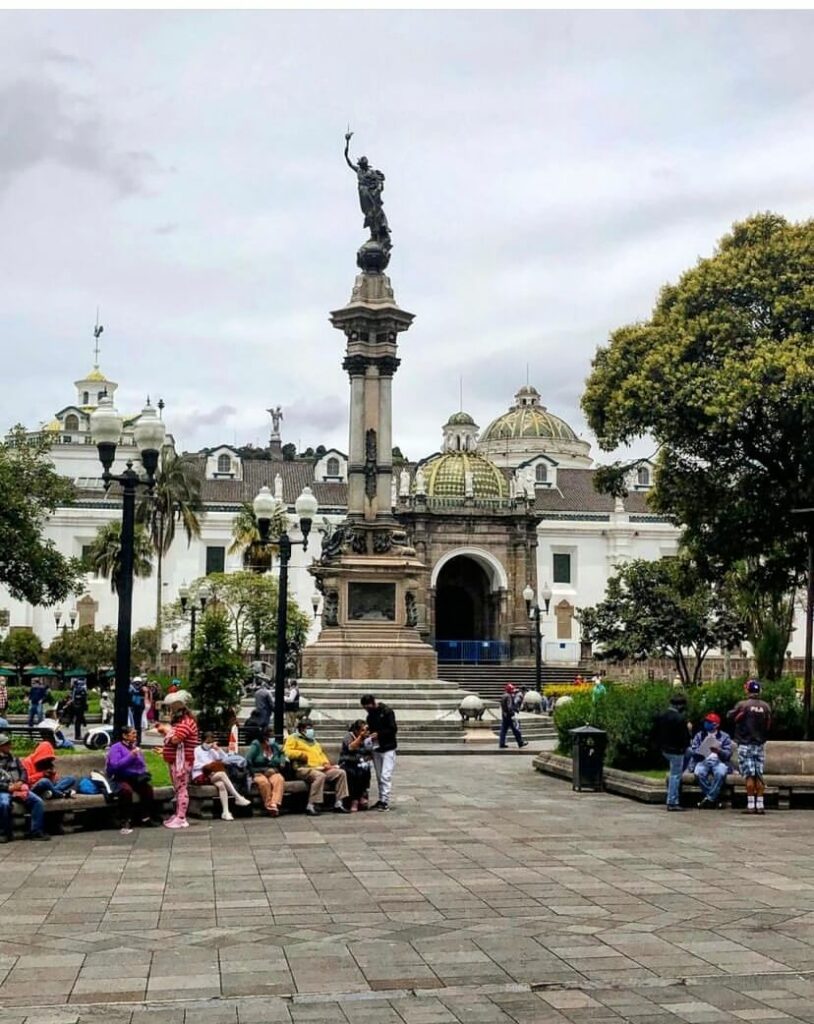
{"x":528,"y":418}
{"x":446,"y":476}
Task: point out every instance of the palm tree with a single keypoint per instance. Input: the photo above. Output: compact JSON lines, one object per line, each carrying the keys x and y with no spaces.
{"x":176,"y":498}
{"x":104,"y":555}
{"x":246,"y":537}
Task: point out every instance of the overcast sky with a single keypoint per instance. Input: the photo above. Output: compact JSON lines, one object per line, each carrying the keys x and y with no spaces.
{"x":546,"y":174}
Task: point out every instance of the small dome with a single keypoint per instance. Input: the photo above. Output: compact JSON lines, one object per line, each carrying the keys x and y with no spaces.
{"x":460,"y":418}
{"x":445,"y":476}
{"x":96,"y":375}
{"x":528,"y":418}
{"x":53,"y":427}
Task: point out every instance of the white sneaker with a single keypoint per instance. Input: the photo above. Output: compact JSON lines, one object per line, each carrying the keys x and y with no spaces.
{"x":227,"y":816}
{"x":241,"y":801}
{"x":125,"y":831}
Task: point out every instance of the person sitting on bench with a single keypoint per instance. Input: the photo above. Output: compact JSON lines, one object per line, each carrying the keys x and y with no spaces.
{"x":127,"y":770}
{"x":266,"y":760}
{"x":313,"y":766}
{"x":209,"y":768}
{"x":40,"y":767}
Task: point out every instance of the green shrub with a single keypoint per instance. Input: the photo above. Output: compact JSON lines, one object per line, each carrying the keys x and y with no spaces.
{"x":627,"y":713}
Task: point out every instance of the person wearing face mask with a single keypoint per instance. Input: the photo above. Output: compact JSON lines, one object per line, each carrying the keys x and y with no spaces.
{"x":711,"y":751}
{"x":209,"y":767}
{"x":312,"y":765}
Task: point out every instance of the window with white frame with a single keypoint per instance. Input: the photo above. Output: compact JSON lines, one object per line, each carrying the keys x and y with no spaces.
{"x":541,"y":473}
{"x":332,"y":467}
{"x":224,"y":464}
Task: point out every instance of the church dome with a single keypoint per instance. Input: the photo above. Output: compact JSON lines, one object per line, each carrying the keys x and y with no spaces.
{"x":527,"y":418}
{"x":445,"y":476}
{"x":96,"y":375}
{"x":460,"y":419}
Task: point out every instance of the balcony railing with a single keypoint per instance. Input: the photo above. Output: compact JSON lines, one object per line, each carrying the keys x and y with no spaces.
{"x":472,"y":652}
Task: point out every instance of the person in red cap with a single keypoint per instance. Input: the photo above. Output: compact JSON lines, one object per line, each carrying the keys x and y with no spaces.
{"x":711,"y":751}
{"x":509,"y":718}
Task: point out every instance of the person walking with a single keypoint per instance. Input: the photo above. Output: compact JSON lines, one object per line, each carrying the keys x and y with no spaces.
{"x":179,"y":753}
{"x":509,"y":718}
{"x":382,"y":732}
{"x":79,"y":703}
{"x":752,"y":719}
{"x":672,"y":735}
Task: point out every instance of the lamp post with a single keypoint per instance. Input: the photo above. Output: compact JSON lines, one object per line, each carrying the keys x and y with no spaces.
{"x":265,"y":506}
{"x":315,"y":599}
{"x":808,"y":514}
{"x":203,"y":600}
{"x":149,"y":433}
{"x":533,"y":610}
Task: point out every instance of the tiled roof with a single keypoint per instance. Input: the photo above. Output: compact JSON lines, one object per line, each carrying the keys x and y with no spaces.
{"x":575,"y":492}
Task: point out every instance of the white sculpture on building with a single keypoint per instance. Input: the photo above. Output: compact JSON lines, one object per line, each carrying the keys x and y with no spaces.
{"x":420,"y":481}
{"x":404,"y":483}
{"x":278,"y":487}
{"x":394,"y":495}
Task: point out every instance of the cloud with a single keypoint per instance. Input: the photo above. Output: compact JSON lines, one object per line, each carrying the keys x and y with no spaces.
{"x":42,"y":123}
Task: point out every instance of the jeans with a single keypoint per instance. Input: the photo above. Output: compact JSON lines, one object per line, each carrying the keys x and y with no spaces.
{"x":45,"y":787}
{"x":676,"y":762}
{"x":711,"y":773}
{"x":505,"y":725}
{"x":385,"y":765}
{"x":34,"y":715}
{"x":33,"y":805}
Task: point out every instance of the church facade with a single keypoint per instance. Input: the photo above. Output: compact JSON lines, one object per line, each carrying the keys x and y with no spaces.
{"x":488,"y":514}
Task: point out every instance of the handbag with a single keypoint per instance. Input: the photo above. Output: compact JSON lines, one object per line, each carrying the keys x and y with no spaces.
{"x":214,"y":766}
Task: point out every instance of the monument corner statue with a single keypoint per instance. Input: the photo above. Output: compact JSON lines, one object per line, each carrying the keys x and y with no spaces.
{"x":374,"y":255}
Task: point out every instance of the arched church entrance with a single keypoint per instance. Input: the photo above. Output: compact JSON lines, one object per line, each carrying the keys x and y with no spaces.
{"x":462,"y":601}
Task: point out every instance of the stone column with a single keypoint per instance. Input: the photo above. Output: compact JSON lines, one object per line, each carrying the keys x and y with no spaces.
{"x":356,"y":445}
{"x":385,"y":460}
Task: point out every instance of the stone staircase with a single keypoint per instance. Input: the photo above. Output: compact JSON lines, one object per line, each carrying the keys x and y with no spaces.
{"x":488,"y":680}
{"x":427,"y":713}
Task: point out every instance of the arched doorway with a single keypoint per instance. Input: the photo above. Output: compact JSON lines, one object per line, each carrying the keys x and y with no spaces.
{"x":463,"y":605}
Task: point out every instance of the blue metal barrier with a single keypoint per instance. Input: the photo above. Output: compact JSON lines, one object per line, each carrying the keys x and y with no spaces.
{"x":472,"y":652}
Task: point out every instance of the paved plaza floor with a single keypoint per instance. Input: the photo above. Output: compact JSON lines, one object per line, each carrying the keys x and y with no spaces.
{"x":488,"y":894}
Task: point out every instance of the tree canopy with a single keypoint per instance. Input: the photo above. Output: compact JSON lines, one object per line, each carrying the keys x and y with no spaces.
{"x":85,"y":647}
{"x":21,"y":648}
{"x":661,"y":609}
{"x":722,"y":378}
{"x":30,"y":490}
{"x":216,"y":671}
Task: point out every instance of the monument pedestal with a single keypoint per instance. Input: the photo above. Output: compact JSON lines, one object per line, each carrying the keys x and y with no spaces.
{"x":368,"y":574}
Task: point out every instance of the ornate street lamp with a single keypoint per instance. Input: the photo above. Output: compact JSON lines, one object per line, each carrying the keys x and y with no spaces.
{"x":203,"y":598}
{"x":265,"y":505}
{"x":315,"y":599}
{"x":106,"y":429}
{"x":533,"y":611}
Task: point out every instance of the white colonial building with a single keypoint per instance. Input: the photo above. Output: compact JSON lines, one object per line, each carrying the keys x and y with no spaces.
{"x":487,"y":514}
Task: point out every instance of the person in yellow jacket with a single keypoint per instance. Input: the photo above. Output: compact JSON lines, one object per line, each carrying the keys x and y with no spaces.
{"x":313,"y":766}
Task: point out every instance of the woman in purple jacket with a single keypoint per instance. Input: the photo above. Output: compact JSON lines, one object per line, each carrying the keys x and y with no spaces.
{"x":127,"y":771}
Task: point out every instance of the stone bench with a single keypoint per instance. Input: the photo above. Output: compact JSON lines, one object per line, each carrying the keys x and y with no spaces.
{"x":789,"y":770}
{"x":204,"y":800}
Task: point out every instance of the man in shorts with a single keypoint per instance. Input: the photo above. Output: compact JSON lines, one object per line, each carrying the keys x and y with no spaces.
{"x":752,"y":719}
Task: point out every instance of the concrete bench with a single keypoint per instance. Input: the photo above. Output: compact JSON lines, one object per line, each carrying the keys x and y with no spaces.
{"x":789,"y":770}
{"x":204,"y":800}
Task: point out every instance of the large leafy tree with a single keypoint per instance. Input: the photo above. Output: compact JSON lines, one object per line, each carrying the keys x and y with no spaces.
{"x":175,"y":501}
{"x":21,"y":648}
{"x":85,"y":647}
{"x":722,"y":378}
{"x":662,"y":609}
{"x":104,"y":554}
{"x":249,"y":602}
{"x":216,"y":671}
{"x":30,"y":566}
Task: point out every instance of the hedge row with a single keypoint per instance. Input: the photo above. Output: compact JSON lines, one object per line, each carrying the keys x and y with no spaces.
{"x":627,"y":713}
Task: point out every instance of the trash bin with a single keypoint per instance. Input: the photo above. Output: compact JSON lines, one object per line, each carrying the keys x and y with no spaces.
{"x":588,"y":757}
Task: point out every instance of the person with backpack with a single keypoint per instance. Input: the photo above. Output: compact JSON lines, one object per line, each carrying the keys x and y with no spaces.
{"x":79,"y":703}
{"x":752,"y":720}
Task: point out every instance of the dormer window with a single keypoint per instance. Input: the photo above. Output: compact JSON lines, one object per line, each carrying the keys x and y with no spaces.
{"x":224,"y":464}
{"x":541,"y":473}
{"x":332,"y":467}
{"x":643,"y":476}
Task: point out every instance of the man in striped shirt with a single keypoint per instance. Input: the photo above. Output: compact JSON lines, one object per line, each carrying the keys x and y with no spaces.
{"x":179,"y":753}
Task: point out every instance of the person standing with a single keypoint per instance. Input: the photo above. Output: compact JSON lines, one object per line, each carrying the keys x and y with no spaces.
{"x":136,"y":699}
{"x":292,"y":705}
{"x":3,"y":697}
{"x":79,"y":703}
{"x":508,"y":717}
{"x":752,"y":720}
{"x":38,"y":694}
{"x":179,"y":753}
{"x":263,"y":703}
{"x":672,"y":734}
{"x":383,"y":729}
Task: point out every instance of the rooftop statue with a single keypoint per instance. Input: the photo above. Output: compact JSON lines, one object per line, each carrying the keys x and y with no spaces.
{"x":371,"y":185}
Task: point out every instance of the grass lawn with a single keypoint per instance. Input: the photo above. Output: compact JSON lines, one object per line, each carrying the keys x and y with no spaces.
{"x":156,"y":765}
{"x":652,"y":773}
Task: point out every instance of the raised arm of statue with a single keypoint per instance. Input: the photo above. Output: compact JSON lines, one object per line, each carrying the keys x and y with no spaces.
{"x":348,"y":137}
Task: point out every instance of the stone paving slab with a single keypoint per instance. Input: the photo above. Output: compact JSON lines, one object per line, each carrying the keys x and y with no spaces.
{"x":488,"y":894}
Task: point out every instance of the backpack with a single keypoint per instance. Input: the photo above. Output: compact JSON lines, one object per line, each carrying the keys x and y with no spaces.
{"x":136,"y":696}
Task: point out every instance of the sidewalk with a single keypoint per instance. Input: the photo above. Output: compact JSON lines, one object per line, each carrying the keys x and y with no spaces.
{"x":488,"y":894}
